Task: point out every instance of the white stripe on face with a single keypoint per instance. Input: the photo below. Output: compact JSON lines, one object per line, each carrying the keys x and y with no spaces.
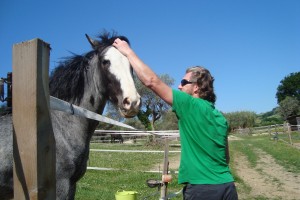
{"x":120,"y":67}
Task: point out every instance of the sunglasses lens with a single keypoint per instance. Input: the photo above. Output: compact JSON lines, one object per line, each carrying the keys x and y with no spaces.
{"x":184,"y":82}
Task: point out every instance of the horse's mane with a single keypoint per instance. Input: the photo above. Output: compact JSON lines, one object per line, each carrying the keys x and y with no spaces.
{"x":67,"y":79}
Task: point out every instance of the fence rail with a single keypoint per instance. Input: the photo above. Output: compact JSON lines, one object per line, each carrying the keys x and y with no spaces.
{"x":104,"y":136}
{"x":170,"y":133}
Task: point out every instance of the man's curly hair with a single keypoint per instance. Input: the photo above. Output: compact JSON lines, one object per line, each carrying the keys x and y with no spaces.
{"x":205,"y":81}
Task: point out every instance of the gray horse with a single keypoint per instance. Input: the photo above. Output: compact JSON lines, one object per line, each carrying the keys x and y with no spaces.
{"x":89,"y":81}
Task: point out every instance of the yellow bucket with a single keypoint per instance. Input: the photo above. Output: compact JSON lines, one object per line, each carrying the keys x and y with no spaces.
{"x":126,"y":195}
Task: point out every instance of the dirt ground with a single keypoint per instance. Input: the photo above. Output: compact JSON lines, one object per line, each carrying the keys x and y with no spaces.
{"x":268,"y":180}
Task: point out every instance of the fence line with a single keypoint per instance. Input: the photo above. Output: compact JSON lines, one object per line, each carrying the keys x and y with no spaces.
{"x":175,"y":133}
{"x":114,"y":169}
{"x":102,"y":135}
{"x":268,"y":129}
{"x":131,"y":151}
{"x":105,"y":135}
{"x":271,"y":129}
{"x":172,"y":133}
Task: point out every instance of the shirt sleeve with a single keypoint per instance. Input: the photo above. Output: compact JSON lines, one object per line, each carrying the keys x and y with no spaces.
{"x":180,"y":102}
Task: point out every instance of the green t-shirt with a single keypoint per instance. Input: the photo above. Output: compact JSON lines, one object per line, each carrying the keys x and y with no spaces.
{"x":203,"y":136}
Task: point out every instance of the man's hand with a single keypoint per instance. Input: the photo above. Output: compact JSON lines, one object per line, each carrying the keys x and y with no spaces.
{"x":122,"y":46}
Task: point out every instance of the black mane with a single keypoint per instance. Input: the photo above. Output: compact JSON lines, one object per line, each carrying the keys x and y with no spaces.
{"x":67,"y":79}
{"x":108,"y":39}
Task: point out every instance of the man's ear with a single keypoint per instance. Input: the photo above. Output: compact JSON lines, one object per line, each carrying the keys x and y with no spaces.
{"x":196,"y":89}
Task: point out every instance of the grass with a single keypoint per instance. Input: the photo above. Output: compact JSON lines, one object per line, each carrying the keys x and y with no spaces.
{"x":98,"y":185}
{"x":285,"y":154}
{"x":130,"y":176}
{"x":127,"y":160}
{"x":104,"y":184}
{"x":138,"y":146}
{"x":241,"y":185}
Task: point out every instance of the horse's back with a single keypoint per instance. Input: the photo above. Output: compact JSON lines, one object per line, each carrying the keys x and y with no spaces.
{"x":67,"y":172}
{"x":6,"y":157}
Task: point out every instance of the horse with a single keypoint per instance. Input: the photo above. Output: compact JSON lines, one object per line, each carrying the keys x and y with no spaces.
{"x":116,"y":138}
{"x":89,"y":80}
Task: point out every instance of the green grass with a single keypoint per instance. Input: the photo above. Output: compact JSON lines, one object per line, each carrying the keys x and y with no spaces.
{"x":138,"y":146}
{"x":127,"y":160}
{"x":104,"y":184}
{"x":284,"y":153}
{"x":130,"y":176}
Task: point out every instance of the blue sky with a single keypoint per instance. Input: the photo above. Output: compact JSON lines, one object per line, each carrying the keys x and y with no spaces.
{"x":248,"y":45}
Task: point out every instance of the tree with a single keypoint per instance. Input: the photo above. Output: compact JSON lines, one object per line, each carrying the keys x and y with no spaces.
{"x":111,"y":111}
{"x":288,"y":107}
{"x":269,"y":118}
{"x":168,"y":121}
{"x":153,"y":107}
{"x":289,"y":86}
{"x":134,"y":122}
{"x":241,"y":119}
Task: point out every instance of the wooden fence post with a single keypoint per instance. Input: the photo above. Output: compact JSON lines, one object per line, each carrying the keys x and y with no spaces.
{"x":33,"y":139}
{"x":163,"y":189}
{"x":289,"y":133}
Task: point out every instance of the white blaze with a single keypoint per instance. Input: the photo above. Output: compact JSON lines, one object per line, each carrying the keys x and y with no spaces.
{"x":120,"y":67}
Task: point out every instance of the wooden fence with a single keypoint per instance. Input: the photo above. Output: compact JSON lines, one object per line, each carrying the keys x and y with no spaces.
{"x":273,"y":130}
{"x":106,"y":136}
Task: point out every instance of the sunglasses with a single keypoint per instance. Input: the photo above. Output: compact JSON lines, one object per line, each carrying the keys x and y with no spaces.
{"x":184,"y":82}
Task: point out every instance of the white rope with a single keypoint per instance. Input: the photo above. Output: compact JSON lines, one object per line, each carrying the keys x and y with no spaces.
{"x":60,"y":105}
{"x":131,"y":151}
{"x":114,"y":169}
{"x":170,"y":133}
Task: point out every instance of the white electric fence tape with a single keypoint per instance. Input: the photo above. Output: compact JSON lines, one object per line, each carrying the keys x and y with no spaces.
{"x":60,"y":105}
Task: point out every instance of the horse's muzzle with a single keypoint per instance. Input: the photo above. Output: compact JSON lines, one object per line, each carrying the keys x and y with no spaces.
{"x":130,"y":108}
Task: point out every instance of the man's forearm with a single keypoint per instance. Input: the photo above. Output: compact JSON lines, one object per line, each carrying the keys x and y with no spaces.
{"x":143,"y":71}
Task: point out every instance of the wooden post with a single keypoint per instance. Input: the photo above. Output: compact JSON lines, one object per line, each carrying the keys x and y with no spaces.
{"x":33,"y":139}
{"x":289,"y":133}
{"x":163,"y":190}
{"x":298,"y":124}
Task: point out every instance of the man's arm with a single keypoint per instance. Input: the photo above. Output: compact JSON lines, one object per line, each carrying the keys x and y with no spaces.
{"x":145,"y":73}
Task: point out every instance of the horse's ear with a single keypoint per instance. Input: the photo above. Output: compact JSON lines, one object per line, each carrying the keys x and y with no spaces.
{"x":94,"y":43}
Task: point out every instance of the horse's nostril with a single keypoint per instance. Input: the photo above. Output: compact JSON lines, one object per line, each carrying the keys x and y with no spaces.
{"x":126,"y":102}
{"x":130,"y":107}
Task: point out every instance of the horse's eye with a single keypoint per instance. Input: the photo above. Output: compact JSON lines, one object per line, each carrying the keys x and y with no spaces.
{"x":106,"y":62}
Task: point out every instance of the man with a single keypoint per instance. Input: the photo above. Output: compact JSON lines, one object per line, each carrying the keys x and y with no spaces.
{"x":203,"y":130}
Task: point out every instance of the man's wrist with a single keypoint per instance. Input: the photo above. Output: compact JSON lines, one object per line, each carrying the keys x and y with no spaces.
{"x":130,"y":53}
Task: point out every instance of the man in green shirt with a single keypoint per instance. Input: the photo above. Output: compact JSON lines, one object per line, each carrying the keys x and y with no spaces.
{"x":203,"y":130}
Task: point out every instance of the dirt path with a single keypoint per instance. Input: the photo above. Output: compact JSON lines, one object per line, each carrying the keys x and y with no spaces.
{"x":268,"y":179}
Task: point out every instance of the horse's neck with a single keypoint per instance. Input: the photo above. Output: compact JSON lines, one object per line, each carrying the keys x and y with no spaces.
{"x":81,"y":128}
{"x":93,"y":102}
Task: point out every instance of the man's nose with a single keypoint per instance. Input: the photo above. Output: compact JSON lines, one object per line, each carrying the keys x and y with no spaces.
{"x":179,"y":87}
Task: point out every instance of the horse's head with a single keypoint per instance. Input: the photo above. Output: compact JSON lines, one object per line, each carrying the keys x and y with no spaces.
{"x":120,"y":87}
